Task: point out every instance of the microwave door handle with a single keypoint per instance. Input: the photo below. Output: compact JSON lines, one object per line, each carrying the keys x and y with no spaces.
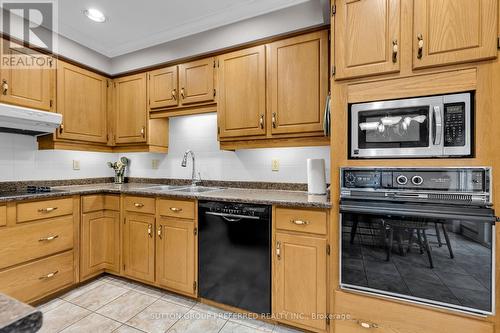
{"x":438,"y":125}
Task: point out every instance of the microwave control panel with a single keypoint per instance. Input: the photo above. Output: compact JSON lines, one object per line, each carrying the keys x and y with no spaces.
{"x":454,"y":125}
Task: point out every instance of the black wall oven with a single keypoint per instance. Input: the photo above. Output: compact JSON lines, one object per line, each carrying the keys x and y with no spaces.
{"x":422,"y":235}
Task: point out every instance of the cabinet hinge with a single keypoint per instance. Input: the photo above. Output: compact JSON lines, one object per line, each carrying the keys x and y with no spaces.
{"x":328,"y":249}
{"x":215,"y":92}
{"x":51,"y":103}
{"x":195,"y":231}
{"x":124,"y":266}
{"x":333,"y":70}
{"x":327,"y":319}
{"x":334,"y":9}
{"x":194,"y":286}
{"x":107,"y":84}
{"x":215,"y":63}
{"x":498,"y":42}
{"x":218,"y":130}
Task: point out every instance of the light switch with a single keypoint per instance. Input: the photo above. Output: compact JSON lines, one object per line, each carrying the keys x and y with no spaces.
{"x":76,"y":165}
{"x":275,"y":165}
{"x":155,"y":164}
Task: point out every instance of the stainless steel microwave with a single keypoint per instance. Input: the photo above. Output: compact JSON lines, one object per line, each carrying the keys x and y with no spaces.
{"x":436,"y":126}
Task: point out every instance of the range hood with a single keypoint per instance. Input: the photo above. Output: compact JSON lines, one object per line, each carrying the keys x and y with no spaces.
{"x":19,"y":120}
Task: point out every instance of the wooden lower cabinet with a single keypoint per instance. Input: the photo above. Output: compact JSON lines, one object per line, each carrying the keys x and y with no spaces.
{"x":175,"y":255}
{"x":139,"y":246}
{"x":300,"y":280}
{"x":360,"y":314}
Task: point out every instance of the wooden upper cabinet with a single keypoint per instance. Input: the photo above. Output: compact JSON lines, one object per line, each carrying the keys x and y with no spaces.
{"x":175,"y":263}
{"x":300,"y":281}
{"x":82,"y":101}
{"x":162,"y":88}
{"x":454,"y":31}
{"x":196,"y":81}
{"x":297,"y":83}
{"x":367,"y":37}
{"x":138,"y":246}
{"x":242,"y":93}
{"x":131,"y":111}
{"x":29,"y":79}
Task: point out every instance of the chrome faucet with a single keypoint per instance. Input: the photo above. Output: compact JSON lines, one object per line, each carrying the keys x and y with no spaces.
{"x":194,"y":181}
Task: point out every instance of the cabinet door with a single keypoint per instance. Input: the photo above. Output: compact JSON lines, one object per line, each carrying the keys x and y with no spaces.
{"x":299,"y":282}
{"x":100,"y":248}
{"x":82,"y":100}
{"x":298,"y":83}
{"x":130,"y":109}
{"x":175,"y":251}
{"x":367,"y":32}
{"x":454,"y":31}
{"x":28,"y":79}
{"x":196,"y":81}
{"x":162,"y":88}
{"x":242,"y":93}
{"x":138,"y":246}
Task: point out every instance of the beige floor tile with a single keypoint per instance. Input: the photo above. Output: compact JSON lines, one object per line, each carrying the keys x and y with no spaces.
{"x":197,"y":322}
{"x":148,"y":290}
{"x":99,"y":296}
{"x":285,"y":329}
{"x":252,"y":323}
{"x":213,"y":310}
{"x":77,"y":292}
{"x":126,"y":329}
{"x":126,"y":306}
{"x":93,"y":323}
{"x":158,"y":317}
{"x":121,"y":282}
{"x":180,"y":300}
{"x":52,"y":304}
{"x":233,"y":327}
{"x":61,"y":317}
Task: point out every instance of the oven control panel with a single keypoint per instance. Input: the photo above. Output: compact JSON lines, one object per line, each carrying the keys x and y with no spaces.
{"x":467,"y":180}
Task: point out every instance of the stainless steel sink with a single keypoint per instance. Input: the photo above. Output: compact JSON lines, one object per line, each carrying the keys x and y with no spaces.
{"x":197,"y":189}
{"x":163,"y":187}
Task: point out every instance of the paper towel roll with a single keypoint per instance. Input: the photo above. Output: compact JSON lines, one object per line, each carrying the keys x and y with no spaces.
{"x":316,"y":178}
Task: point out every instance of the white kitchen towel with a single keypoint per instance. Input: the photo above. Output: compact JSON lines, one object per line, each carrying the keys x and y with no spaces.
{"x":316,"y":176}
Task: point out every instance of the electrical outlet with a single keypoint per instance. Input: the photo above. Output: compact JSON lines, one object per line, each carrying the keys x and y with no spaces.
{"x":155,"y":164}
{"x":275,"y":165}
{"x":76,"y":165}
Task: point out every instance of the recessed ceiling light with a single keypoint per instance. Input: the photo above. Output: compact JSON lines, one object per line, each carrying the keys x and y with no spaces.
{"x":95,"y":15}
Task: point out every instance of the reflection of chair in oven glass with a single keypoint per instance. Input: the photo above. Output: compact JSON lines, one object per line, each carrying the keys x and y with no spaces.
{"x":368,"y":230}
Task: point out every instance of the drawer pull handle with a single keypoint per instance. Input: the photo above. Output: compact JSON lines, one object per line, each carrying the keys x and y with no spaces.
{"x":48,"y":239}
{"x":300,"y":222}
{"x":175,"y":209}
{"x":139,"y":205}
{"x":47,"y":210}
{"x":48,"y":276}
{"x":366,"y":324}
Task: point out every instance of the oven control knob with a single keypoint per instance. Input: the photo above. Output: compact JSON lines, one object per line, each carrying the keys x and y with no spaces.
{"x":402,"y":180}
{"x":417,"y":180}
{"x":350,"y":178}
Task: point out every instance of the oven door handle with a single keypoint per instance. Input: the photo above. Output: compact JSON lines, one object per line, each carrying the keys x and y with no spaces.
{"x":438,"y":125}
{"x":233,"y":217}
{"x":418,"y":213}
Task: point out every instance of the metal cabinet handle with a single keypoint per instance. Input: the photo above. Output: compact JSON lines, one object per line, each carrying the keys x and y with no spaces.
{"x":150,"y":230}
{"x":278,"y":250}
{"x":420,"y":51}
{"x":274,"y":119}
{"x":160,"y":231}
{"x":395,"y":51}
{"x":5,"y":87}
{"x":300,"y":222}
{"x":182,"y":93}
{"x":176,"y":210}
{"x":48,"y":276}
{"x":174,"y":94}
{"x":47,"y":210}
{"x":366,"y":324}
{"x":48,"y":239}
{"x":143,"y":132}
{"x":261,"y":121}
{"x":138,"y":205}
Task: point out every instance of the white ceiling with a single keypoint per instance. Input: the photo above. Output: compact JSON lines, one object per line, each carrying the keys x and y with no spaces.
{"x":133,"y":25}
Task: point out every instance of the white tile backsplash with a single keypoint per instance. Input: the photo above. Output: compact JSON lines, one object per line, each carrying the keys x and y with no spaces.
{"x":20,"y":159}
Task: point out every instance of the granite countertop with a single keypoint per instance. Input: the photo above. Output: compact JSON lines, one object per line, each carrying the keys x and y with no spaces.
{"x":257,"y":196}
{"x":18,"y":317}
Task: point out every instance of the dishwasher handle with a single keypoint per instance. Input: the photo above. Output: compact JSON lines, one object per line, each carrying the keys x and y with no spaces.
{"x":233,"y":217}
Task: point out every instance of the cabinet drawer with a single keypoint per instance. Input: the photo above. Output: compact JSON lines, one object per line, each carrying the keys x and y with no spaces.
{"x":34,"y":280}
{"x":28,"y":242}
{"x":37,"y":210}
{"x":92,"y":203}
{"x":139,"y":204}
{"x":305,"y":220}
{"x":366,"y":314}
{"x":3,"y":216}
{"x":177,"y":208}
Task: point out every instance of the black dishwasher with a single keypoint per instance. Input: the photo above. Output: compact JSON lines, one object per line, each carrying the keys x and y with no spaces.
{"x":234,"y":257}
